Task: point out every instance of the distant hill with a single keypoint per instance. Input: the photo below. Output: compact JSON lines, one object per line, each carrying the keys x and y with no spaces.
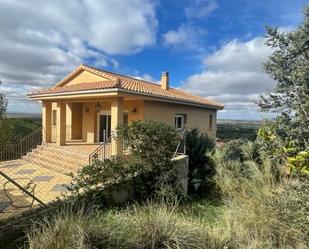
{"x":235,"y":121}
{"x":24,"y":115}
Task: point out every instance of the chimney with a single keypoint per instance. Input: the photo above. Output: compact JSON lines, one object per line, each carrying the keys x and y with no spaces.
{"x":165,"y":81}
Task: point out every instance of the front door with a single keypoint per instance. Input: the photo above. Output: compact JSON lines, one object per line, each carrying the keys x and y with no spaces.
{"x":104,"y":127}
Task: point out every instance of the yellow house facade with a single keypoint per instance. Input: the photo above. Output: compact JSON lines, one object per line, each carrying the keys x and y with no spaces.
{"x":88,"y":105}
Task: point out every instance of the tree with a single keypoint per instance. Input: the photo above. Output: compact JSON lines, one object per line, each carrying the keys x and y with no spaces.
{"x":201,"y":168}
{"x":3,"y":105}
{"x":289,"y":66}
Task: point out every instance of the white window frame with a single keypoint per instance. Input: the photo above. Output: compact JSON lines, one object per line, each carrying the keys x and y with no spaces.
{"x":183,"y":117}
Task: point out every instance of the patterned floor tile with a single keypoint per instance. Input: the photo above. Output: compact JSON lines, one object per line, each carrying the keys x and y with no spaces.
{"x":26,"y":171}
{"x":10,"y":165}
{"x":59,"y":188}
{"x":43,"y":178}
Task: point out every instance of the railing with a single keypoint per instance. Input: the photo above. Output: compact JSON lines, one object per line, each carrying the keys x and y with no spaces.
{"x":17,"y":150}
{"x":30,"y":141}
{"x":100,"y":152}
{"x":9,"y":152}
{"x":181,"y":146}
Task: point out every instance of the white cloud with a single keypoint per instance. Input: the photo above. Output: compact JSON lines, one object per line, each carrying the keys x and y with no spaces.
{"x":41,"y":41}
{"x":234,"y":75}
{"x":145,"y":77}
{"x":201,"y":8}
{"x":186,"y":36}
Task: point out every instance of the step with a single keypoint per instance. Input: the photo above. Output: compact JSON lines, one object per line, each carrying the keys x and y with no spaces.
{"x":69,"y":149}
{"x":61,"y":159}
{"x":55,"y":166}
{"x":60,"y":155}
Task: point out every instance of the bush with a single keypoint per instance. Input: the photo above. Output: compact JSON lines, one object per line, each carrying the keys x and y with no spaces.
{"x":148,"y":168}
{"x":232,"y":149}
{"x":201,"y":167}
{"x":151,"y":145}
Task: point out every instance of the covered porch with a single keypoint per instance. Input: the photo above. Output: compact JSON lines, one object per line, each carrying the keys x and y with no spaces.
{"x":88,"y":121}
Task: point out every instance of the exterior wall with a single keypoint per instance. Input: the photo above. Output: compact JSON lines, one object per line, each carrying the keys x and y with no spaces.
{"x":85,"y":77}
{"x":182,"y":167}
{"x":196,"y":117}
{"x":82,"y":117}
{"x":135,"y":109}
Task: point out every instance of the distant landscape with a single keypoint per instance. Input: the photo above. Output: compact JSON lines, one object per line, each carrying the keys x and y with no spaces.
{"x":234,"y":129}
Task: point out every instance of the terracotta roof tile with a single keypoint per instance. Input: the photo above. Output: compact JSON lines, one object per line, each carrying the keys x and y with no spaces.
{"x":118,"y":81}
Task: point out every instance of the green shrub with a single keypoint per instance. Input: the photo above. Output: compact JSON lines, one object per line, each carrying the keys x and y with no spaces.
{"x":201,"y":167}
{"x":151,"y":145}
{"x":232,"y":149}
{"x":148,"y":168}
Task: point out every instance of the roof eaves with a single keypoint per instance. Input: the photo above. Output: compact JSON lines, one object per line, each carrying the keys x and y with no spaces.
{"x":118,"y":89}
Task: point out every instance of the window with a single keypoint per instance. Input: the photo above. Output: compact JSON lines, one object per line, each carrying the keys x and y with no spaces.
{"x":210,"y":121}
{"x":180,"y":121}
{"x":54,"y":118}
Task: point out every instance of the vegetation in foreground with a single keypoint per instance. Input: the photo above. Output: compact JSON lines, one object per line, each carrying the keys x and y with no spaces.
{"x":262,"y":186}
{"x":258,"y":209}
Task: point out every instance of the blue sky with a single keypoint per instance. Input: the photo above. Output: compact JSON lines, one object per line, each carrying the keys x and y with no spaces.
{"x":211,"y":48}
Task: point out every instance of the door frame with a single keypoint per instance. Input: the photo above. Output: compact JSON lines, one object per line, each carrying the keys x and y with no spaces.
{"x":98,"y":122}
{"x":102,"y":112}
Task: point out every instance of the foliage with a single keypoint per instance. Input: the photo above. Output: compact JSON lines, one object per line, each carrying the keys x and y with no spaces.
{"x":148,"y":168}
{"x":150,"y":142}
{"x":151,"y":145}
{"x":282,"y":152}
{"x":13,"y":129}
{"x":3,"y":105}
{"x":240,"y":149}
{"x":291,"y":206}
{"x":299,"y":164}
{"x":289,"y":66}
{"x":255,"y":203}
{"x":201,"y":168}
{"x":93,"y":178}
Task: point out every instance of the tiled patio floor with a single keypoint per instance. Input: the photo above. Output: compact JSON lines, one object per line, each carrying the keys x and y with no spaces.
{"x":48,"y":185}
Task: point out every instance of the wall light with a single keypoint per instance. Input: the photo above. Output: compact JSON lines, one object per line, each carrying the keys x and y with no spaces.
{"x":98,"y":107}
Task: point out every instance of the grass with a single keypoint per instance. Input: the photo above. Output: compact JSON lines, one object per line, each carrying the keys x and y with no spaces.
{"x":258,"y":209}
{"x":150,"y":226}
{"x":254,"y":213}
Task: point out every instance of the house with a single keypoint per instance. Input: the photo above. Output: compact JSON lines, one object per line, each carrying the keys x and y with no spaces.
{"x":88,"y":104}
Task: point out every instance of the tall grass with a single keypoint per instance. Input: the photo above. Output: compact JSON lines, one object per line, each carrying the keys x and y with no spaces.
{"x":151,"y":226}
{"x":260,"y":210}
{"x":251,"y":217}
